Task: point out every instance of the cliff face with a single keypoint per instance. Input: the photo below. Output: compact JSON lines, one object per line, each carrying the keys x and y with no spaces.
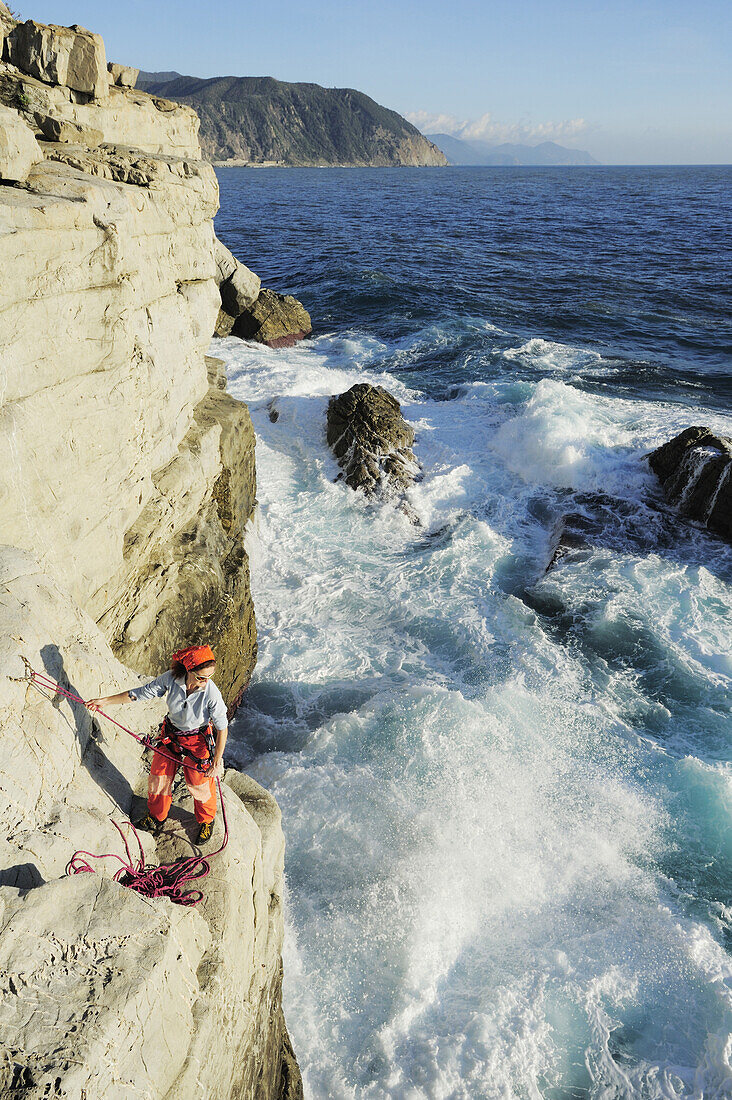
{"x":255,"y":120}
{"x":106,"y":318}
{"x":129,"y":479}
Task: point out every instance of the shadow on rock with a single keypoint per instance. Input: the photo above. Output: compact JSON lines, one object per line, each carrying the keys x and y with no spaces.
{"x":23,"y":876}
{"x":88,"y":734}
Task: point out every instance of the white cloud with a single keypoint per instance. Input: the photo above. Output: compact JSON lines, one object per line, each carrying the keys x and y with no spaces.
{"x":488,"y":130}
{"x":430,"y":123}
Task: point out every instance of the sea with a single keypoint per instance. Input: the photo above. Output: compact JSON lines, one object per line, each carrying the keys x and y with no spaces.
{"x":504,"y":772}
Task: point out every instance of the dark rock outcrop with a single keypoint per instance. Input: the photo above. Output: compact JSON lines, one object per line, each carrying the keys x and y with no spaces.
{"x":252,"y":312}
{"x":695,"y":470}
{"x":277,"y":320}
{"x":372,"y":442}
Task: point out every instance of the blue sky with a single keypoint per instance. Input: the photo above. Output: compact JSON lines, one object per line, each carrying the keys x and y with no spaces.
{"x":632,"y":82}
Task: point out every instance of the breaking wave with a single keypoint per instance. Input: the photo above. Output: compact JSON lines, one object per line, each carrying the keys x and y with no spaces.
{"x":506,"y":791}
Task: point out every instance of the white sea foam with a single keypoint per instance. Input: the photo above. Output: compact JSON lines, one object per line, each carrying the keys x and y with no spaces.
{"x":477,"y":818}
{"x":325,"y":365}
{"x":548,"y":356}
{"x":566,"y":437}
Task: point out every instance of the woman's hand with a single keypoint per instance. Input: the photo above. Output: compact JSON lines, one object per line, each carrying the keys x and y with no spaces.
{"x":217,"y":769}
{"x":95,"y":704}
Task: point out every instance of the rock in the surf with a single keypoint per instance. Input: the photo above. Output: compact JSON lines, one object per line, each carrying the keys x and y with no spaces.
{"x":372,"y":441}
{"x":695,"y":470}
{"x":238,"y":286}
{"x":277,"y":320}
{"x":251,"y":312}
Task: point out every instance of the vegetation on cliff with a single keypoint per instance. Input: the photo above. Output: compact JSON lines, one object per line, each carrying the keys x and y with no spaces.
{"x":257,"y":120}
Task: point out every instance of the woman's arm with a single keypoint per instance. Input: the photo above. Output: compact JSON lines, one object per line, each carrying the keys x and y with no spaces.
{"x":221,"y":736}
{"x":154,"y":690}
{"x":120,"y":697}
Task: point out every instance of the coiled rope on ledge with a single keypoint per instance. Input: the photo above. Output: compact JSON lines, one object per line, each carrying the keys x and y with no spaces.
{"x":169,"y":880}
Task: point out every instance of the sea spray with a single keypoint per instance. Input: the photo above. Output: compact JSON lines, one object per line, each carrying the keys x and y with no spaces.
{"x":479,"y":824}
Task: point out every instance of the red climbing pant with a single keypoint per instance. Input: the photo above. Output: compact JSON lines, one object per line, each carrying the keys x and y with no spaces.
{"x":202,"y":787}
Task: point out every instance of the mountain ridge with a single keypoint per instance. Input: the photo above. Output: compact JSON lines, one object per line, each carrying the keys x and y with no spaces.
{"x":262,"y":120}
{"x":482,"y":153}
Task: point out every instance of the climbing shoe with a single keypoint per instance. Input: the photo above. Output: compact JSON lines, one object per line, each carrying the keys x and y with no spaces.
{"x":149,"y":823}
{"x":204,"y":833}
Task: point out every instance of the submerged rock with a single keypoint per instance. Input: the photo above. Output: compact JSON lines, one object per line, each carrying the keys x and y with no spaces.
{"x":601,"y":521}
{"x":277,"y":320}
{"x":565,"y":538}
{"x":695,"y":470}
{"x":372,"y":442}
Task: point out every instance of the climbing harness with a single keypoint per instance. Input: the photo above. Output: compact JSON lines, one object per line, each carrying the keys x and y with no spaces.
{"x":169,"y":880}
{"x":179,"y":741}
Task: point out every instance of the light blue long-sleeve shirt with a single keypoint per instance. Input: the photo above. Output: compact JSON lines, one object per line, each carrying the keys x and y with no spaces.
{"x":186,"y":712}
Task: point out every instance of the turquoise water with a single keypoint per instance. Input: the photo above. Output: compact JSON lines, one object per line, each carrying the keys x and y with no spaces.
{"x":506,"y":792}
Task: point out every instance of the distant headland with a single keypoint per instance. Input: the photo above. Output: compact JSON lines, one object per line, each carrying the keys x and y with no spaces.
{"x":260,"y":121}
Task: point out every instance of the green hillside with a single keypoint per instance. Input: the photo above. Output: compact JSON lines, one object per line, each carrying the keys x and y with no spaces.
{"x":262,"y":120}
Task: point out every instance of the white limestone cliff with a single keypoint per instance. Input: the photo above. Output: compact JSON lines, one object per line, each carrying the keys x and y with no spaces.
{"x":109,"y":299}
{"x":103,"y":993}
{"x":128,"y":481}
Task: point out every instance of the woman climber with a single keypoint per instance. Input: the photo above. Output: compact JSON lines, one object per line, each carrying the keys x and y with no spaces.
{"x":195,"y":705}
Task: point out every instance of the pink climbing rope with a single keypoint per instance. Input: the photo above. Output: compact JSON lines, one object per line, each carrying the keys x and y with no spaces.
{"x":169,"y":880}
